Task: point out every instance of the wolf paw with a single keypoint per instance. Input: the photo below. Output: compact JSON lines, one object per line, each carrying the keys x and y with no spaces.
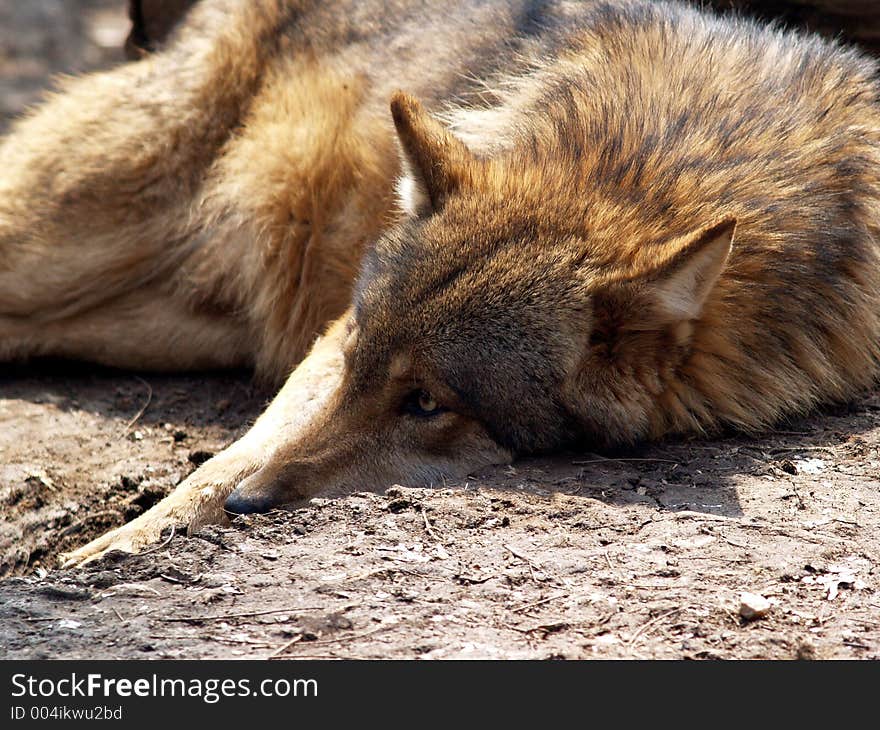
{"x":129,"y":538}
{"x":197,"y":501}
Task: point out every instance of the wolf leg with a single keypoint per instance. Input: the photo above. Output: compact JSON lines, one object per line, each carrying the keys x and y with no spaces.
{"x":198,"y":500}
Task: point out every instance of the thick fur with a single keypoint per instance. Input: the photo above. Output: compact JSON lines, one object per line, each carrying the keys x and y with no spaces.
{"x":603,"y":223}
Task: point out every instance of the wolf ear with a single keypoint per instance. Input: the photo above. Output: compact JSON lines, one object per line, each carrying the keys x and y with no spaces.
{"x":435,"y":161}
{"x":678,"y":287}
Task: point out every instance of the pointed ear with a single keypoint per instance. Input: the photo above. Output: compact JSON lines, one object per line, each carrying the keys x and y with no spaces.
{"x":678,"y":288}
{"x":435,"y":161}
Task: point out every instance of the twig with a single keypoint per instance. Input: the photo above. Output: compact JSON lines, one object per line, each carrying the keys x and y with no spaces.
{"x":797,"y":494}
{"x":428,"y":528}
{"x":526,"y":559}
{"x":547,"y":628}
{"x":285,"y":647}
{"x":845,"y":522}
{"x":687,"y":514}
{"x":350,"y":637}
{"x":143,"y":408}
{"x":528,"y":606}
{"x":473,"y":579}
{"x":223,"y":616}
{"x":646,"y":626}
{"x":517,"y":554}
{"x":211,"y":637}
{"x":734,"y":618}
{"x":159,"y":547}
{"x":608,"y":560}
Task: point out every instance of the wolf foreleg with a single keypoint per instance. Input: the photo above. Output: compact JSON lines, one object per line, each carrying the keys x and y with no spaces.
{"x":198,"y":500}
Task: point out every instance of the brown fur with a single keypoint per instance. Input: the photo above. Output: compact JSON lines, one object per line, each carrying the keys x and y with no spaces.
{"x":615,"y":222}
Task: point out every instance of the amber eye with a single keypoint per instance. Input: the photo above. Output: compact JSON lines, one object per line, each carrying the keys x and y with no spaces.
{"x":422,"y":403}
{"x":427,"y":402}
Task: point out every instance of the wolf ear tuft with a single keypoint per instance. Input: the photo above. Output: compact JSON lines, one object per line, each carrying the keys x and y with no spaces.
{"x":435,"y":161}
{"x":678,"y":288}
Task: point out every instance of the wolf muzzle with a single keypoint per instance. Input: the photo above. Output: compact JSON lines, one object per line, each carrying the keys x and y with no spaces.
{"x":257,"y":494}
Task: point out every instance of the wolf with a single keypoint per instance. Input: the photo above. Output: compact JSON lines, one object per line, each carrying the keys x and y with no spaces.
{"x":456,"y":233}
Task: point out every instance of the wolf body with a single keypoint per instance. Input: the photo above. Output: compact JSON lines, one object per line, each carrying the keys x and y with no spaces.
{"x":601,"y":222}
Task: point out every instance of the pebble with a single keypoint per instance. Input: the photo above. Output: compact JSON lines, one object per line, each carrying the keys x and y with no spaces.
{"x":753,"y":606}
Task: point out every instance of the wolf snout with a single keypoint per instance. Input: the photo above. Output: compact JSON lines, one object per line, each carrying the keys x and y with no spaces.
{"x":239,"y":503}
{"x":259,"y":493}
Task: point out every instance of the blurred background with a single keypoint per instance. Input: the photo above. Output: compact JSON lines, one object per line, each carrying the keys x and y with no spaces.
{"x":39,"y":38}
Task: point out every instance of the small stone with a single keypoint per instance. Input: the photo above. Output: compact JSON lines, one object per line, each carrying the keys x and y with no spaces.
{"x":810,"y":466}
{"x":753,"y":606}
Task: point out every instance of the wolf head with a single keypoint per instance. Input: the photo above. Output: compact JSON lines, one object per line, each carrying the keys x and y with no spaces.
{"x":511,"y":312}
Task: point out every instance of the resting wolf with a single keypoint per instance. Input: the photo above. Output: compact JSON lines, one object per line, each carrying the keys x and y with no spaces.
{"x":579,"y":222}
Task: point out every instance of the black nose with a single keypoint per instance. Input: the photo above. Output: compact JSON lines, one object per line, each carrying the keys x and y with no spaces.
{"x":241,"y":503}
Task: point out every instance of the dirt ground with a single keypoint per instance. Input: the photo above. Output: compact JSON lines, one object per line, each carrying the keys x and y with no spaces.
{"x":642,"y":554}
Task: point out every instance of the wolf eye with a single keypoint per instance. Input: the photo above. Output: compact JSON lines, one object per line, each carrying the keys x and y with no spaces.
{"x":422,"y":403}
{"x":427,"y":402}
